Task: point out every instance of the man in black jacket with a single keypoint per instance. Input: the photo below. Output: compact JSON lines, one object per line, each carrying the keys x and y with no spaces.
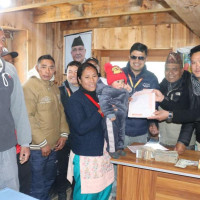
{"x":175,"y":89}
{"x":192,"y":114}
{"x":68,"y":87}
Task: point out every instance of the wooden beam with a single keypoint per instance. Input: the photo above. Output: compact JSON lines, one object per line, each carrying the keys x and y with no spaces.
{"x":67,"y":13}
{"x":42,"y":4}
{"x":120,"y":21}
{"x":188,"y":11}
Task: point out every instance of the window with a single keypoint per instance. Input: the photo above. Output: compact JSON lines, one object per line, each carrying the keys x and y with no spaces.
{"x":158,"y":68}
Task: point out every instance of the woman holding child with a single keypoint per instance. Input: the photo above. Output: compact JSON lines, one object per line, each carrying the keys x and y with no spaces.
{"x":92,"y":169}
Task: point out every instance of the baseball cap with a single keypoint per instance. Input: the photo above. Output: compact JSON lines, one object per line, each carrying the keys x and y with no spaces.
{"x":5,"y":52}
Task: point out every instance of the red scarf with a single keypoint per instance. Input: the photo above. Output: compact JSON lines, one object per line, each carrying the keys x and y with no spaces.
{"x":95,"y":103}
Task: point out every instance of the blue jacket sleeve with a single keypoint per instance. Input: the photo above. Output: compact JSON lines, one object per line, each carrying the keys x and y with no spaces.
{"x":80,"y":119}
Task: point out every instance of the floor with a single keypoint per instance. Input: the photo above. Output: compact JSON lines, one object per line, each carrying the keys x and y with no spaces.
{"x":68,"y":195}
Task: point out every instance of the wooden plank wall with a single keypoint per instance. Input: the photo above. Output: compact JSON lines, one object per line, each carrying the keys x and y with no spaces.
{"x":47,"y":38}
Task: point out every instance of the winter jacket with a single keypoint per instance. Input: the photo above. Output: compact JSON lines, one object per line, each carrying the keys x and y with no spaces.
{"x":13,"y":114}
{"x":87,"y":133}
{"x":112,"y":101}
{"x":46,"y":113}
{"x":139,"y":126}
{"x":169,"y":132}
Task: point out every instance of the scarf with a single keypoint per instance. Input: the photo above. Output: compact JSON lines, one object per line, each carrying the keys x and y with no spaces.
{"x":195,"y":85}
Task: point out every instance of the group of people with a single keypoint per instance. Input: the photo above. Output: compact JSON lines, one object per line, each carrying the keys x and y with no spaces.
{"x":73,"y":130}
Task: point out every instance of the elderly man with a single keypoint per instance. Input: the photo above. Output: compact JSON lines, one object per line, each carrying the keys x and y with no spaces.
{"x":48,"y":125}
{"x":13,"y":116}
{"x":78,"y":50}
{"x":191,"y":114}
{"x":175,"y":87}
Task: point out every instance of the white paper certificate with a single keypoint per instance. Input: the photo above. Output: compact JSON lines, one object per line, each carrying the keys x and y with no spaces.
{"x":142,"y":104}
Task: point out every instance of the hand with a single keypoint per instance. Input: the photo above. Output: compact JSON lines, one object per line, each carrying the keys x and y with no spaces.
{"x":60,"y":143}
{"x":160,"y":115}
{"x":159,"y":95}
{"x":100,"y":111}
{"x":24,"y":154}
{"x":153,"y":130}
{"x":113,"y":119}
{"x":114,"y":108}
{"x":180,"y":148}
{"x":130,"y":99}
{"x":46,"y":150}
{"x":128,"y":87}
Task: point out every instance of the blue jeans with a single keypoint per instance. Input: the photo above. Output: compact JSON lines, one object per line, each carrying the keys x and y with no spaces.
{"x":43,"y":174}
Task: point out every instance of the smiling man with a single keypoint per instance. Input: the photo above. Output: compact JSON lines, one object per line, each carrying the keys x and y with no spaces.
{"x":68,"y":87}
{"x":175,"y":89}
{"x":139,"y":78}
{"x":48,"y":125}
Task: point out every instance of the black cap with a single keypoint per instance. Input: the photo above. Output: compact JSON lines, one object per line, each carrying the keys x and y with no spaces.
{"x":77,"y":42}
{"x":5,"y":52}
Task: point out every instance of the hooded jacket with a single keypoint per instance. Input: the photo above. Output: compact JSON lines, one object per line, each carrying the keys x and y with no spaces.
{"x":110,"y":98}
{"x":139,"y":126}
{"x":13,"y":114}
{"x":45,"y":110}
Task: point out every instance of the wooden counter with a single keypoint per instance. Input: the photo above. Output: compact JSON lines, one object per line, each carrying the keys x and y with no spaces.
{"x":139,"y":179}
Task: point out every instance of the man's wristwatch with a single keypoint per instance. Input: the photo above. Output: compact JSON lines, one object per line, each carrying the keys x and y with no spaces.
{"x":170,"y":117}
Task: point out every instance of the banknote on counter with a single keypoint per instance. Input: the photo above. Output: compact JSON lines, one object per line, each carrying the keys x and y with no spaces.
{"x":183,"y":163}
{"x":142,"y":104}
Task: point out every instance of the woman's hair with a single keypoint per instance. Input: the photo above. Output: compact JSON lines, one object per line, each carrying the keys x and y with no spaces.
{"x":83,"y":67}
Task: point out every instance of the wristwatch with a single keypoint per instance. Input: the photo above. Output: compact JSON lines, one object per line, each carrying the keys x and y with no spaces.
{"x":170,"y":117}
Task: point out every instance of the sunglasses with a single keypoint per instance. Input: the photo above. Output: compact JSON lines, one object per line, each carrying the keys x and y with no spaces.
{"x":137,"y":57}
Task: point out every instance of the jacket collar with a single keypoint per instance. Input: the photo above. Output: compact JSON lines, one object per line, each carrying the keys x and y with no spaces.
{"x":34,"y":73}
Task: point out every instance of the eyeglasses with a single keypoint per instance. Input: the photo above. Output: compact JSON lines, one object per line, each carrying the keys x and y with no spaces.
{"x":137,"y":57}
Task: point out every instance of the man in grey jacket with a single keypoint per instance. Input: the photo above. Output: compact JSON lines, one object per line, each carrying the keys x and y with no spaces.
{"x":13,"y":116}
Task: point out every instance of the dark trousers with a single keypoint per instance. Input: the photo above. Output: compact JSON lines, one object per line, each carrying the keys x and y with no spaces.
{"x":24,"y":174}
{"x":43,"y":174}
{"x":61,"y":182}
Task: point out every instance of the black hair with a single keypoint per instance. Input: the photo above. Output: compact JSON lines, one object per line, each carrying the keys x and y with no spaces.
{"x":73,"y":63}
{"x":92,"y":59}
{"x":48,"y":57}
{"x":139,"y":47}
{"x":83,"y":67}
{"x":194,"y":50}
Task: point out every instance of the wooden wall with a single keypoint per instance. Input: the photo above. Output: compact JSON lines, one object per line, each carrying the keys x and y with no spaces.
{"x":33,"y":40}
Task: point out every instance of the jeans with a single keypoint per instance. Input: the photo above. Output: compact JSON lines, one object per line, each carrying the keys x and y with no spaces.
{"x":43,"y":173}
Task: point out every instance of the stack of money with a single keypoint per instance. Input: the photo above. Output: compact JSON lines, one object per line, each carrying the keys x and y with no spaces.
{"x":183,"y":163}
{"x":166,"y":156}
{"x":145,"y":153}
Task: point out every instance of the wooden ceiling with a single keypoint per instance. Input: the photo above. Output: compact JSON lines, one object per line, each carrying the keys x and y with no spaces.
{"x":109,"y":13}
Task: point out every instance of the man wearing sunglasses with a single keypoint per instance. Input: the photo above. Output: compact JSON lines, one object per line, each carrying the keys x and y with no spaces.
{"x":139,"y":78}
